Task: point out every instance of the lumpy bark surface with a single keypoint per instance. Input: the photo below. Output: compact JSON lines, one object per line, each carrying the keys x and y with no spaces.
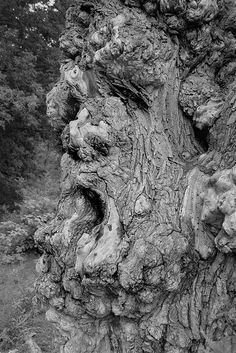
{"x":141,"y":254}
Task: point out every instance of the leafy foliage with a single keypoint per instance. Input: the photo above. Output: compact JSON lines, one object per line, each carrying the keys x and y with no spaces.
{"x":29,"y":52}
{"x":38,"y":205}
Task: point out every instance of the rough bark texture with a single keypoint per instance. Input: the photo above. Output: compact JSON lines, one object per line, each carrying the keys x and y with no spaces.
{"x":140,"y":257}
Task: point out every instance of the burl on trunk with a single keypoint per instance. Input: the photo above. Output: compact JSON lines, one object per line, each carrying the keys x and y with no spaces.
{"x":140,"y":256}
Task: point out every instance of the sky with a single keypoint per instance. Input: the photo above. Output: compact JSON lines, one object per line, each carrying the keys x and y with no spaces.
{"x":40,"y":5}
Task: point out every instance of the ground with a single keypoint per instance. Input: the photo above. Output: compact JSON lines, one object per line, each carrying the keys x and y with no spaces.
{"x":19,"y":317}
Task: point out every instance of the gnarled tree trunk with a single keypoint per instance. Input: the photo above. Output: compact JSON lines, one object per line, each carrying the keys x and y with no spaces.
{"x":140,"y":257}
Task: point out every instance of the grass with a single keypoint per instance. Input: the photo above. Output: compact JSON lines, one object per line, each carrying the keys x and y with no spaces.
{"x":21,"y":315}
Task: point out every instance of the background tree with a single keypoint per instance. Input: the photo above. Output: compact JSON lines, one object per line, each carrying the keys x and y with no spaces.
{"x":29,"y":66}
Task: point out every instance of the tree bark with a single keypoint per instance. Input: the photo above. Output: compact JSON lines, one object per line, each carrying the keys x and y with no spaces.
{"x":140,"y":257}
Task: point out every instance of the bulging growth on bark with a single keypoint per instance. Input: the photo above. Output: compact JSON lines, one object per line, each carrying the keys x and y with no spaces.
{"x":140,"y":257}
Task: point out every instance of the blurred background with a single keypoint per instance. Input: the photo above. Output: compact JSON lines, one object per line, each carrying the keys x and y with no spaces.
{"x":29,"y":161}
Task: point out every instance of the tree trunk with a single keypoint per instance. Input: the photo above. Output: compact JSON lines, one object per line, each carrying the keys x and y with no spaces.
{"x":140,"y":257}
